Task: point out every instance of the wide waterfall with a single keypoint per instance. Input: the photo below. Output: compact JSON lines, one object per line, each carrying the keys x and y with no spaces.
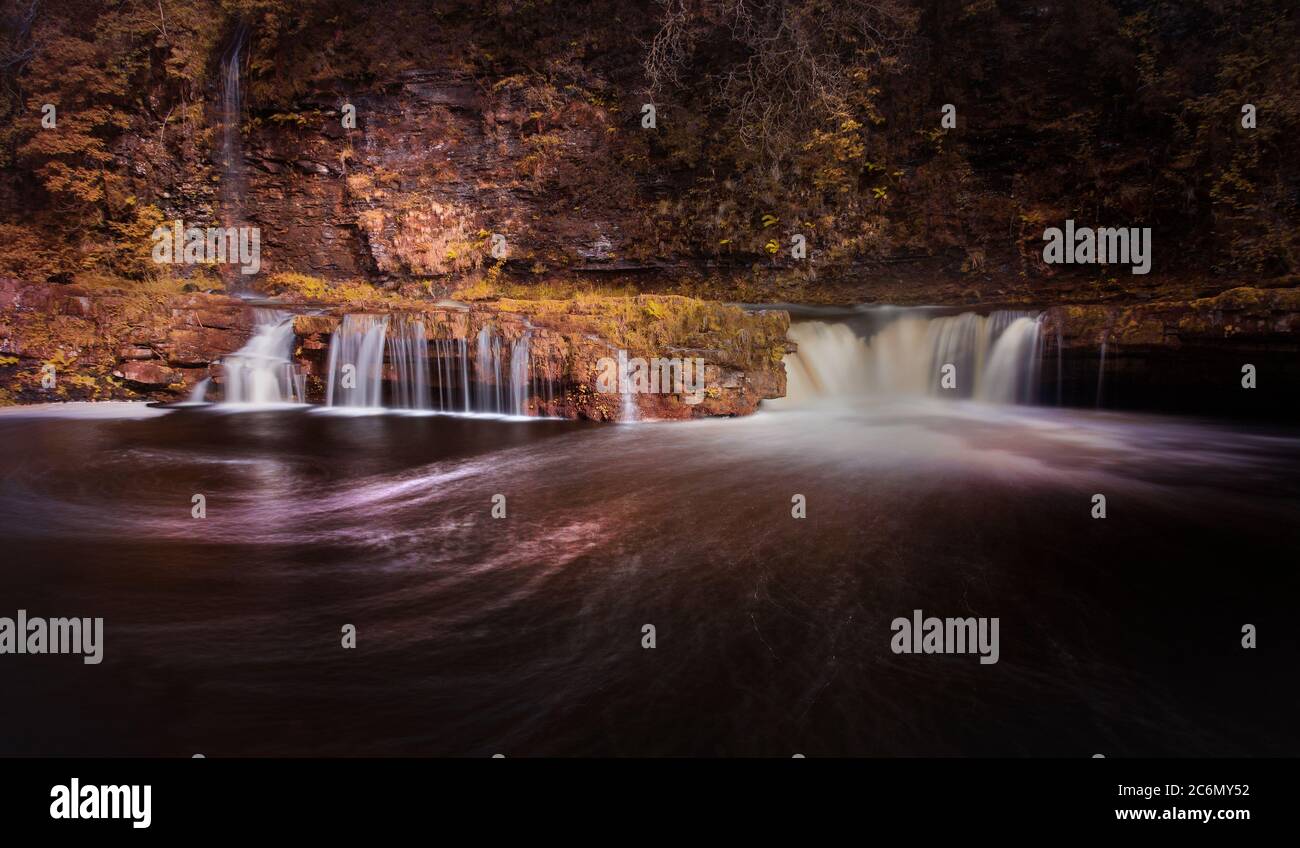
{"x":263,"y":370}
{"x":994,"y":358}
{"x":356,"y":363}
{"x":451,"y":365}
{"x":439,"y":375}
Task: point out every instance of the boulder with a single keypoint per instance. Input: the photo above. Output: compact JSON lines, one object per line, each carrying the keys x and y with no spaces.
{"x":150,"y":374}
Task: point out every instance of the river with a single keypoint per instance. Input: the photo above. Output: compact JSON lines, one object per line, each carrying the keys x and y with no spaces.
{"x":524,"y":635}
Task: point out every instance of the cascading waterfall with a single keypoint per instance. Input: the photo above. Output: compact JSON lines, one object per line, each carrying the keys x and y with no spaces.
{"x":383,"y":361}
{"x":493,"y":395}
{"x":498,"y":381}
{"x":263,"y":370}
{"x":520,"y":362}
{"x":408,"y":353}
{"x":996,"y":357}
{"x":356,"y":362}
{"x":451,"y":363}
{"x":1011,"y":375}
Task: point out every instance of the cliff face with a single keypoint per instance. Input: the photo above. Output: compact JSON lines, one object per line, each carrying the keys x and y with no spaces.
{"x":436,"y":165}
{"x":947,"y":140}
{"x":391,"y":144}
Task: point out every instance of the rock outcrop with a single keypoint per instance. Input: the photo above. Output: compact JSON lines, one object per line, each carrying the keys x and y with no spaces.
{"x":135,"y":345}
{"x":1186,"y":355}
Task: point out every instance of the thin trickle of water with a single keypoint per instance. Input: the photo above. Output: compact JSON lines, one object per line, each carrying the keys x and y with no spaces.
{"x":356,"y":362}
{"x":1060,"y":367}
{"x":451,"y":364}
{"x":464,"y":370}
{"x":232,"y":153}
{"x":629,"y":411}
{"x":263,"y":370}
{"x":1101,"y":368}
{"x":541,"y":386}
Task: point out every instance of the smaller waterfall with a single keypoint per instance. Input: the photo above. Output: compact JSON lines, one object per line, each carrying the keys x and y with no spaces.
{"x":356,"y":362}
{"x":487,"y":362}
{"x":541,"y":386}
{"x":1060,"y":366}
{"x":263,"y":371}
{"x":503,"y":383}
{"x":408,"y":353}
{"x":451,"y":366}
{"x":629,"y":411}
{"x":199,"y":394}
{"x":520,"y":360}
{"x":232,"y":152}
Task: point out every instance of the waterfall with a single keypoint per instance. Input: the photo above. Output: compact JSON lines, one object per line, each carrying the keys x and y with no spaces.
{"x":451,"y":366}
{"x":356,"y":362}
{"x":502,"y":376}
{"x":199,"y":394}
{"x":1011,"y":375}
{"x":541,"y":386}
{"x":629,"y":411}
{"x":996,"y":357}
{"x":408,"y":353}
{"x":519,"y":368}
{"x":263,"y":371}
{"x":232,"y":153}
{"x":483,"y":397}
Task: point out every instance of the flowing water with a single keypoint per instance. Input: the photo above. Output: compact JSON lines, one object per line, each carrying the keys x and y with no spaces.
{"x":494,"y":379}
{"x":262,"y":372}
{"x":523,"y":635}
{"x":232,"y":147}
{"x":356,"y":362}
{"x":408,"y":350}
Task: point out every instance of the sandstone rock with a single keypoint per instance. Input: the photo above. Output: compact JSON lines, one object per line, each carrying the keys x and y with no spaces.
{"x":135,"y":352}
{"x":148,"y":374}
{"x":199,"y":346}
